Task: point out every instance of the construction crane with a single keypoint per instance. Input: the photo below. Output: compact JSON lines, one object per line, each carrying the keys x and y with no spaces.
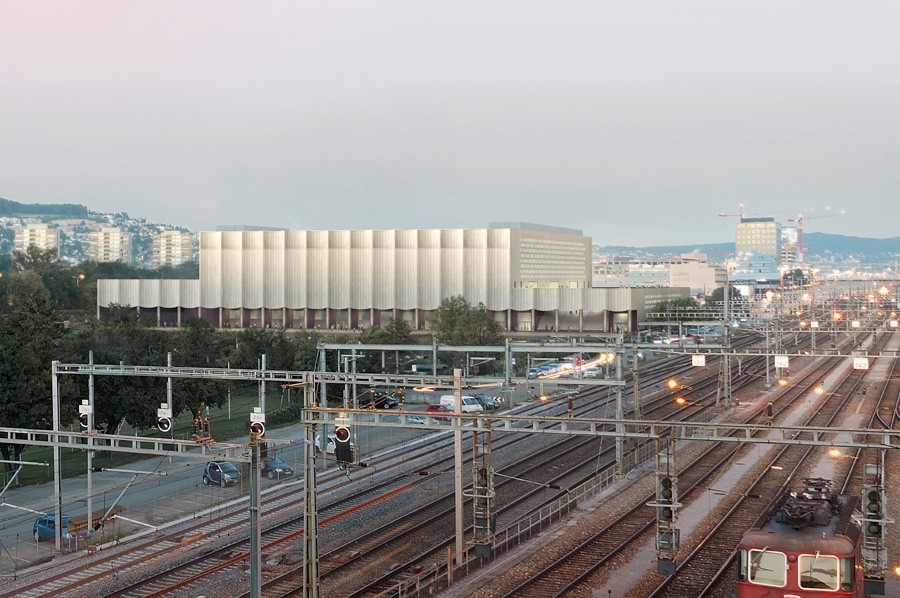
{"x":739,"y":215}
{"x":799,"y":220}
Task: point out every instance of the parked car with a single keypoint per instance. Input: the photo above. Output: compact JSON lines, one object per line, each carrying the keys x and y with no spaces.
{"x":381,"y":400}
{"x":438,"y":408}
{"x":276,"y":468}
{"x":591,"y":372}
{"x":45,"y":528}
{"x":45,"y":525}
{"x":469,"y":403}
{"x":488,"y":403}
{"x":223,"y":473}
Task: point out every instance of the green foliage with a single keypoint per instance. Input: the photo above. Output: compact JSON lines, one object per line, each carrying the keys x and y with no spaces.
{"x":456,"y":322}
{"x":674,"y":309}
{"x":30,"y":336}
{"x":718,"y":295}
{"x":795,"y":279}
{"x":396,"y":332}
{"x":64,"y":210}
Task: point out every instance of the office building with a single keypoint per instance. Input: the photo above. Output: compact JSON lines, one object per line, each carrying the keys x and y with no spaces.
{"x":761,"y":236}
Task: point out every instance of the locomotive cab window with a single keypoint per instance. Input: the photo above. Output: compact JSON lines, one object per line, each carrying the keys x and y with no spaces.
{"x":768,"y":568}
{"x":848,"y":567}
{"x":818,"y":572}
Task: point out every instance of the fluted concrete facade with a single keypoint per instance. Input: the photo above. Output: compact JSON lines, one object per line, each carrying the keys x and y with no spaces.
{"x":393,"y":269}
{"x":328,"y":279}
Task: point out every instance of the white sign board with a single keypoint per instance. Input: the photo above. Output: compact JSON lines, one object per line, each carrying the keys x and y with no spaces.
{"x":160,"y":413}
{"x":860,"y":363}
{"x":85,"y":410}
{"x":814,"y":324}
{"x":854,"y":324}
{"x":782,"y":361}
{"x":893,"y":323}
{"x":698,"y":360}
{"x":414,"y":368}
{"x":258,"y":418}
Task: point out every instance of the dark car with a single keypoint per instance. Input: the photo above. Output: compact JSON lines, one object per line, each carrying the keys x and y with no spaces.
{"x":379,"y":400}
{"x":276,"y":468}
{"x":223,"y":473}
{"x":488,"y":403}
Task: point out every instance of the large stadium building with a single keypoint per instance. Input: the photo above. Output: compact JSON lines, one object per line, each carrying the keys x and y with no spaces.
{"x":529,"y":277}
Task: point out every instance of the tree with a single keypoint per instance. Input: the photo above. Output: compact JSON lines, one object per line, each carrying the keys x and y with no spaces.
{"x":718,"y":295}
{"x":122,"y":338}
{"x":674,"y":309}
{"x":198,"y":345}
{"x":21,"y":286}
{"x":30,"y":335}
{"x":456,"y":322}
{"x":397,"y":332}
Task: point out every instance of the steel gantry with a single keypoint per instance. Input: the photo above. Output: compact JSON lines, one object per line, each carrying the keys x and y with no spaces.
{"x":315,"y":414}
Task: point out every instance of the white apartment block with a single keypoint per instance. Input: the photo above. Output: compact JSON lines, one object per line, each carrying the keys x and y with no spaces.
{"x":110,"y":244}
{"x":40,"y":235}
{"x":172,"y":248}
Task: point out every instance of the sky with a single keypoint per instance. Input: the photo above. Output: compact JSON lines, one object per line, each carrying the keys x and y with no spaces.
{"x":637,"y":122}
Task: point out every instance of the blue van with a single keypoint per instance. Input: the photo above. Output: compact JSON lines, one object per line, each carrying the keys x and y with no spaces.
{"x":45,"y":528}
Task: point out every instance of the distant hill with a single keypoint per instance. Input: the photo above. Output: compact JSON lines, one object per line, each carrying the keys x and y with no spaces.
{"x":63,"y":210}
{"x":817,"y":244}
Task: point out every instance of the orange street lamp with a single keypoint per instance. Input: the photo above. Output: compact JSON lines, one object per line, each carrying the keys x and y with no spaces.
{"x":79,"y":278}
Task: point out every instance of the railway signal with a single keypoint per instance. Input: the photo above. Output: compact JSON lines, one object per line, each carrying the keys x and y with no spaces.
{"x":164,"y":424}
{"x":874,"y":512}
{"x":343,"y":450}
{"x":257,"y":422}
{"x":83,"y":422}
{"x":668,"y":537}
{"x":258,"y":427}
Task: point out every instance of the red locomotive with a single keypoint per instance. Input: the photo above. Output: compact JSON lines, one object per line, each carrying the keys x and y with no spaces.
{"x":808,"y":546}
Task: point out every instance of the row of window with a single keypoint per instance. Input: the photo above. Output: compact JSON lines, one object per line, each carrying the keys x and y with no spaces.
{"x":814,"y":571}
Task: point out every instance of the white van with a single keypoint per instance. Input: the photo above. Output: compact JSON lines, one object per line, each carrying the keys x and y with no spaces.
{"x":469,"y":404}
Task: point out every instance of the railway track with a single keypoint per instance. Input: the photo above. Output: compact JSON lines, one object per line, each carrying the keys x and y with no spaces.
{"x":577,"y":564}
{"x":146,"y":555}
{"x":885,"y":415}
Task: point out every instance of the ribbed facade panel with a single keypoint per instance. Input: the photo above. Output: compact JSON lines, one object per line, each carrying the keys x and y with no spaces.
{"x":385,"y":270}
{"x":149,"y":293}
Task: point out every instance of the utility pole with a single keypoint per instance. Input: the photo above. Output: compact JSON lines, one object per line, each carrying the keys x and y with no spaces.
{"x":620,"y":413}
{"x":90,"y":443}
{"x":255,"y":532}
{"x":636,"y":384}
{"x":57,"y":457}
{"x":726,"y":358}
{"x":310,"y":509}
{"x":458,"y":467}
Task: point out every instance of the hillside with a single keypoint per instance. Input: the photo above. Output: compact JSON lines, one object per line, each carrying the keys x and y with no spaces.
{"x":818,"y":245}
{"x":62,"y":210}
